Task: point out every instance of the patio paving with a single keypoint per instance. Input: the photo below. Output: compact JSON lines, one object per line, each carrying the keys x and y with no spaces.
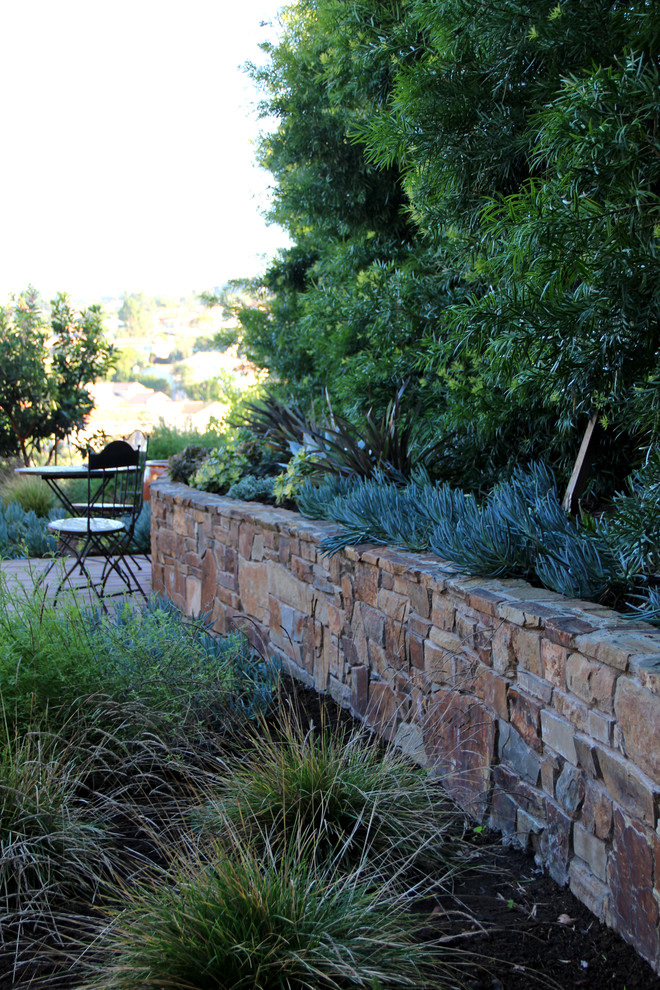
{"x":23,"y":575}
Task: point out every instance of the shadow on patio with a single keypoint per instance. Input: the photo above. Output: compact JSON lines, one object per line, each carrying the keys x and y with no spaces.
{"x":24,"y":574}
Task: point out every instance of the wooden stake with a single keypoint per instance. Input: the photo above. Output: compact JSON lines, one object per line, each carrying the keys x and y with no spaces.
{"x":585,"y":456}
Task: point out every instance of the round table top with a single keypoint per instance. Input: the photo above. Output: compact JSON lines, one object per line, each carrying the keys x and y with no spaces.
{"x":70,"y":470}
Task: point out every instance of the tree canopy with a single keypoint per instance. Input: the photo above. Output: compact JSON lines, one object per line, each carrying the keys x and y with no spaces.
{"x":472,"y":192}
{"x":46,"y":367}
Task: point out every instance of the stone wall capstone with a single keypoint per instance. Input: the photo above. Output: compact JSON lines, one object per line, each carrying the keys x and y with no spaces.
{"x":539,"y":714}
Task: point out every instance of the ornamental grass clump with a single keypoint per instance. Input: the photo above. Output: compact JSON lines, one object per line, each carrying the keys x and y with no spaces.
{"x":54,"y":845}
{"x":30,"y":492}
{"x":360,"y":800}
{"x":247,"y":920}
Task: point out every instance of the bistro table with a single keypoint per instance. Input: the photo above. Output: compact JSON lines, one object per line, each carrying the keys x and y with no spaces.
{"x":55,"y":474}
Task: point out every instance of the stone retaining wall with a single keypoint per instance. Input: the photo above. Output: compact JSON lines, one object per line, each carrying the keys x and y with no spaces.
{"x":540,"y":714}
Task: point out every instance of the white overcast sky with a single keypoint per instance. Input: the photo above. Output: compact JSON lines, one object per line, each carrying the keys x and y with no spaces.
{"x":126,"y":161}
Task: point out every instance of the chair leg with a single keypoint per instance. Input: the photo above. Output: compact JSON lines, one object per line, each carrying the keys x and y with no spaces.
{"x":79,"y":563}
{"x":117,"y":560}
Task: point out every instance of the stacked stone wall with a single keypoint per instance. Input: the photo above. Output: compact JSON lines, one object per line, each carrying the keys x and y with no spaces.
{"x":540,"y":714}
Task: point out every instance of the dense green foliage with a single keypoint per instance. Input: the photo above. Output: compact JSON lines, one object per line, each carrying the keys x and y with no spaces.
{"x":472,"y":192}
{"x":45,"y":369}
{"x":153,"y":656}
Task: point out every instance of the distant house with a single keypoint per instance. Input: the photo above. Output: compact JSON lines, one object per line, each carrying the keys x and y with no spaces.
{"x":121,"y":407}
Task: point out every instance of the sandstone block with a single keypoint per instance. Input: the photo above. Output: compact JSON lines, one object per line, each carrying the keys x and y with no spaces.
{"x":253,"y":586}
{"x":382,"y":712}
{"x":410,"y":740}
{"x":610,"y":647}
{"x":373,"y":622}
{"x":646,"y":670}
{"x":209,"y":572}
{"x":564,"y":629}
{"x":301,"y":569}
{"x":630,"y":879}
{"x":283,"y":586}
{"x":525,"y":714}
{"x":485,"y":601}
{"x":503,"y":813}
{"x":555,"y":845}
{"x":569,"y":789}
{"x":597,"y":810}
{"x":554,"y":663}
{"x":438,"y":665}
{"x":536,"y":686}
{"x":366,"y":583}
{"x":246,"y":534}
{"x":420,"y":599}
{"x":491,"y":688}
{"x":447,"y":641}
{"x":592,"y":850}
{"x":587,"y":755}
{"x":571,"y":709}
{"x":627,"y":786}
{"x":504,"y":657}
{"x":592,"y":682}
{"x":589,"y":890}
{"x":559,"y":736}
{"x":193,"y":596}
{"x":459,"y":737}
{"x":527,"y":648}
{"x":638,"y":715}
{"x":443,"y":611}
{"x":415,"y":650}
{"x":377,"y":657}
{"x":549,"y":774}
{"x":465,"y":629}
{"x":514,"y":750}
{"x":359,"y":683}
{"x":600,"y":727}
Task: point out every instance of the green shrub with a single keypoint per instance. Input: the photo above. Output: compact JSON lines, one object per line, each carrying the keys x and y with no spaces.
{"x":176,"y":667}
{"x":250,"y":488}
{"x":24,"y":534}
{"x":221,"y":469}
{"x":361,"y":801}
{"x":302,"y":465}
{"x":31,"y":493}
{"x":164,"y":440}
{"x":187,"y":462}
{"x":249,"y":922}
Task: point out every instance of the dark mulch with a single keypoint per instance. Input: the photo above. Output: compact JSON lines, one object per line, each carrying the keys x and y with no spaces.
{"x":535,"y":932}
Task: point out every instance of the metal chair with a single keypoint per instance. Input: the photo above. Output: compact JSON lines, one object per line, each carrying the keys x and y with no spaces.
{"x":106,"y":523}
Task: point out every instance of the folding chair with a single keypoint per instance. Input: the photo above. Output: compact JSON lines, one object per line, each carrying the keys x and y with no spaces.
{"x":107,"y":521}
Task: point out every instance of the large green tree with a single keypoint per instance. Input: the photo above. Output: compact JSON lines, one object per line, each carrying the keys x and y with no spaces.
{"x":472,"y":191}
{"x":46,"y":366}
